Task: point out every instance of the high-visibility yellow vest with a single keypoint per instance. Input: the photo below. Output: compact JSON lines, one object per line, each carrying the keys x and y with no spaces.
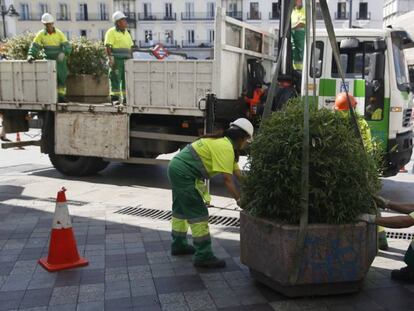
{"x":52,"y":43}
{"x":120,"y":42}
{"x":298,"y":16}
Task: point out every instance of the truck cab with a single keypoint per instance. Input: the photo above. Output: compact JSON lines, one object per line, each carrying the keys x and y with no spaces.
{"x":376,"y":74}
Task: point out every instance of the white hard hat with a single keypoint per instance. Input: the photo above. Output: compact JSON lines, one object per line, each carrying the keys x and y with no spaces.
{"x":118,"y":15}
{"x":245,"y":125}
{"x":47,"y":18}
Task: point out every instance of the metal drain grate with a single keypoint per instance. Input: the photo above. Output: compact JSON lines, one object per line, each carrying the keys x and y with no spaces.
{"x":399,"y":235}
{"x":167,"y":215}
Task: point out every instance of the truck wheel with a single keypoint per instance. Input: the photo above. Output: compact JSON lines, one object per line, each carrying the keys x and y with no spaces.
{"x":77,"y":165}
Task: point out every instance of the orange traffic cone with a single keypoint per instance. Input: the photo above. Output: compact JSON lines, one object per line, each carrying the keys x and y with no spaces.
{"x":403,"y":170}
{"x":63,"y":252}
{"x":17,"y":141}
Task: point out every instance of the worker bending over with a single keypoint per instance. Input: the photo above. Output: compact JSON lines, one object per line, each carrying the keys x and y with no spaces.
{"x":203,"y":159}
{"x":56,"y":47}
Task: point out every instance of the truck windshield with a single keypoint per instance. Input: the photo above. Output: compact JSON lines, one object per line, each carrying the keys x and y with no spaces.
{"x":400,"y":64}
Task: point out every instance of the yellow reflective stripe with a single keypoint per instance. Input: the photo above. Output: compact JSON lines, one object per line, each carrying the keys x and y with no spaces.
{"x":200,"y":230}
{"x":116,"y":93}
{"x":179,"y":225}
{"x":381,"y":229}
{"x":61,"y":90}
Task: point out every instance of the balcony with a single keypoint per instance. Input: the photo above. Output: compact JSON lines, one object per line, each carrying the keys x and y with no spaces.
{"x":236,"y":14}
{"x":63,"y":16}
{"x":363,"y":16}
{"x":149,"y":44}
{"x":92,"y":17}
{"x":131,"y":19}
{"x":157,"y":17}
{"x":342,"y":15}
{"x":196,"y":44}
{"x":274,"y":15}
{"x":191,"y":16}
{"x":254,"y":16}
{"x":30,"y":16}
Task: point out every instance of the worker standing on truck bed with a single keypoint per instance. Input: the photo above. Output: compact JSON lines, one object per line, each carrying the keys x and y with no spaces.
{"x":118,"y":43}
{"x":56,"y":47}
{"x":298,"y":21}
{"x":341,"y":104}
{"x":203,"y":159}
{"x":398,"y":222}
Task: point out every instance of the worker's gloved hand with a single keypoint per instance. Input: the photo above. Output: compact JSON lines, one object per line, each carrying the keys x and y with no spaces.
{"x":111,"y":61}
{"x":368,"y":218}
{"x":381,"y":202}
{"x":30,"y":59}
{"x":61,"y":57}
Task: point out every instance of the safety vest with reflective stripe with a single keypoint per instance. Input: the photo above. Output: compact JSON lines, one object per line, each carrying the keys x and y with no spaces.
{"x":120,"y":42}
{"x":52,"y":43}
{"x":298,"y":17}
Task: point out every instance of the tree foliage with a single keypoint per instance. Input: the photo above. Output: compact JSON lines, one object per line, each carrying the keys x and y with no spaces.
{"x":342,"y":175}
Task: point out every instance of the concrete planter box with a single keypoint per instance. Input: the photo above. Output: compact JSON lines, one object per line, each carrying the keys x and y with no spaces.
{"x":336,"y":257}
{"x":88,"y":89}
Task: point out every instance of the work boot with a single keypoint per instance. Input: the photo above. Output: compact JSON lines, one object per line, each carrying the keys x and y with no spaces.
{"x":4,"y":138}
{"x":404,"y":274}
{"x":213,"y":262}
{"x":114,"y":99}
{"x":188,"y":250}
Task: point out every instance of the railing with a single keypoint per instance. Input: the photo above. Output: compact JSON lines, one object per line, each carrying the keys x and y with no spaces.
{"x":63,"y":16}
{"x":188,"y":16}
{"x":341,"y":15}
{"x":131,"y":19}
{"x":254,"y":16}
{"x":30,"y":16}
{"x":196,"y":44}
{"x":274,"y":15}
{"x":235,"y":14}
{"x":148,"y":44}
{"x":92,"y":17}
{"x":366,"y":16}
{"x":157,"y":16}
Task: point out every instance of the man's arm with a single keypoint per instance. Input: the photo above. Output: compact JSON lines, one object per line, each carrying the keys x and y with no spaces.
{"x":404,"y":208}
{"x":231,"y":187}
{"x":396,"y":222}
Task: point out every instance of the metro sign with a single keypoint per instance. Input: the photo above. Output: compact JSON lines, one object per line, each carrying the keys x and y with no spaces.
{"x":159,"y":51}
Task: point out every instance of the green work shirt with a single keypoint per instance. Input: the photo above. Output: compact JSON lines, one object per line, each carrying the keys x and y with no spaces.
{"x":298,"y":17}
{"x":120,"y":42}
{"x":216,"y":154}
{"x":52,"y":43}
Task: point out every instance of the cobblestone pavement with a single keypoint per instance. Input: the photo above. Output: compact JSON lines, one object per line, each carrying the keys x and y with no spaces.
{"x":131,"y":268}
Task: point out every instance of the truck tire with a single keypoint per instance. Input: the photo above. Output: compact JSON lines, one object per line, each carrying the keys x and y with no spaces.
{"x":77,"y":165}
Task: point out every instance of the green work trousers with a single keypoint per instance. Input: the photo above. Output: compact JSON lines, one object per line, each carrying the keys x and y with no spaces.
{"x":62,"y":75}
{"x":117,"y":78}
{"x":188,"y":208}
{"x":409,"y":257}
{"x":298,"y":45}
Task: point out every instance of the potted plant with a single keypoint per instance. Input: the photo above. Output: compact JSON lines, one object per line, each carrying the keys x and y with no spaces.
{"x":88,"y":80}
{"x":17,"y":47}
{"x":338,"y":250}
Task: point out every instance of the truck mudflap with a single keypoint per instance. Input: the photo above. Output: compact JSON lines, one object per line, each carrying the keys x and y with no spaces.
{"x":401,"y":149}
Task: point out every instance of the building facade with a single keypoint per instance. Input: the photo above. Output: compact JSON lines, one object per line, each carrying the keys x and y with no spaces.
{"x":89,"y":18}
{"x":394,"y":8}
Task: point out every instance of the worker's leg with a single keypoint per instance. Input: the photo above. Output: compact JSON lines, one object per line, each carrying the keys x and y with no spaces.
{"x":201,"y":238}
{"x":179,"y":245}
{"x":115,"y":81}
{"x":62,"y":75}
{"x":123,"y":85}
{"x":298,"y":44}
{"x":382,"y":239}
{"x":406,"y":274}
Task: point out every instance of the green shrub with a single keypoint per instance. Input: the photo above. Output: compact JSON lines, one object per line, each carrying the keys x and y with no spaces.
{"x":17,"y":47}
{"x":87,"y":57}
{"x":342,"y":176}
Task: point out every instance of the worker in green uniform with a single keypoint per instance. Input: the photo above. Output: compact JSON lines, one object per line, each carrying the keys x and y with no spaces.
{"x":298,"y":22}
{"x":187,"y":171}
{"x":398,"y":222}
{"x":341,"y":104}
{"x":56,"y":47}
{"x":118,"y":43}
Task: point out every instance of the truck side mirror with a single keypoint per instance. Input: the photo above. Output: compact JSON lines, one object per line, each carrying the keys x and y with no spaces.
{"x":377,"y":67}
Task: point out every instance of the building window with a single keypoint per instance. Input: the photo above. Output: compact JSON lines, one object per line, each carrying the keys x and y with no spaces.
{"x":83,"y":33}
{"x":24,"y":12}
{"x":190,"y":36}
{"x":43,"y":8}
{"x":211,"y":36}
{"x":211,"y":9}
{"x":318,"y":11}
{"x":83,"y":12}
{"x":147,"y":10}
{"x":363,"y":11}
{"x":169,"y":37}
{"x":275,"y":10}
{"x":102,"y":11}
{"x":168,"y":11}
{"x":67,"y":34}
{"x":148,"y":36}
{"x":102,"y":33}
{"x":254,"y":10}
{"x":63,"y":13}
{"x":341,"y":13}
{"x":189,"y":10}
{"x":126,"y":7}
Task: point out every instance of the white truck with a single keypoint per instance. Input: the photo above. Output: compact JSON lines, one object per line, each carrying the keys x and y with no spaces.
{"x":163,"y":111}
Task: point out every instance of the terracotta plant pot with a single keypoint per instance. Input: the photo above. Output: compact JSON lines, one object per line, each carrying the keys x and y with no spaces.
{"x":336,"y":258}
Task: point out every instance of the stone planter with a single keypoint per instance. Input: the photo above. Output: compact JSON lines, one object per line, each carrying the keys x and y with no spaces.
{"x":88,"y":89}
{"x":336,"y":257}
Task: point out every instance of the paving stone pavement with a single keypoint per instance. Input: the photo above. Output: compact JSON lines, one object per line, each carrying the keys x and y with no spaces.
{"x":131,"y":269}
